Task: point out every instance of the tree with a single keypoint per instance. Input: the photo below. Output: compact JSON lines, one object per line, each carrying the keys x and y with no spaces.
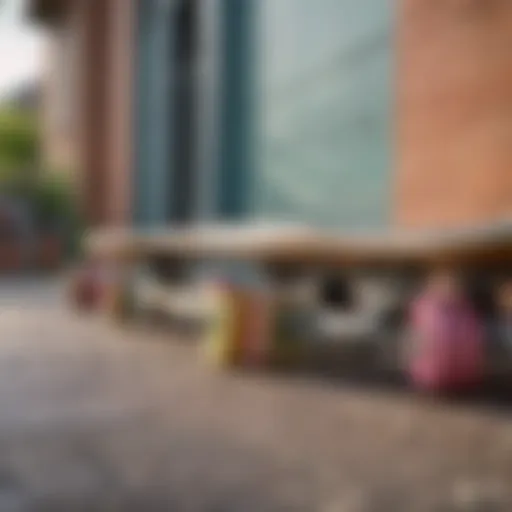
{"x":19,"y":147}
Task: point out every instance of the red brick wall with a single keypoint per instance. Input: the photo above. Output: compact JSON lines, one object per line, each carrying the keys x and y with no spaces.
{"x":454,"y":102}
{"x":102,"y":31}
{"x":93,"y":109}
{"x":121,"y":44}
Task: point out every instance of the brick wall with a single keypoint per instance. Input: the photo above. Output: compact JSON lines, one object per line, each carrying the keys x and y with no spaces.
{"x":120,"y":44}
{"x":93,"y":138}
{"x":93,"y":110}
{"x":454,"y":111}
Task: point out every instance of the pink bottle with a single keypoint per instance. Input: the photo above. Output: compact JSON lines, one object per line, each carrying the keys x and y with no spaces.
{"x":446,"y":345}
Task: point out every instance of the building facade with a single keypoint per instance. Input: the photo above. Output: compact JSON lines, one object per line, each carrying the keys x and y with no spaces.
{"x":454,"y":84}
{"x":87,"y":103}
{"x":279,"y":110}
{"x":340,"y":113}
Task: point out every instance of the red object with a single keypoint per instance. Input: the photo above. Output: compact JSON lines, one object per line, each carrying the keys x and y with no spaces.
{"x":50,"y":252}
{"x":447,"y":346}
{"x":87,"y":289}
{"x":11,"y":256}
{"x":257,"y":335}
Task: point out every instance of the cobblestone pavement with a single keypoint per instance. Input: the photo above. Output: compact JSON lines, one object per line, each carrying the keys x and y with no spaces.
{"x":94,"y":418}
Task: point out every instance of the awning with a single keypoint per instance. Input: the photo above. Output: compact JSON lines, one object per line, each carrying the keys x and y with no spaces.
{"x":489,"y":244}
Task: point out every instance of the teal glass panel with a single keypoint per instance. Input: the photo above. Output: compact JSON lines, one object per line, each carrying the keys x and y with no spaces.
{"x":236,"y":112}
{"x":325,"y":111}
{"x":152,"y":178}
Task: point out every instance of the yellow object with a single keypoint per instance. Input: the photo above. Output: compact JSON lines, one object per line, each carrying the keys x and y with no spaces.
{"x":116,"y":302}
{"x":222,"y":340}
{"x":241,"y":330}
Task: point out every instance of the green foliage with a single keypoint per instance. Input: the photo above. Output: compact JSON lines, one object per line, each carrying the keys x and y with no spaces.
{"x":52,"y":199}
{"x":49,"y":194}
{"x":54,"y":209}
{"x":19,"y":146}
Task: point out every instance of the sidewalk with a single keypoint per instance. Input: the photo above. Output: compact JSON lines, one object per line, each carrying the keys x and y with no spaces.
{"x":94,"y":418}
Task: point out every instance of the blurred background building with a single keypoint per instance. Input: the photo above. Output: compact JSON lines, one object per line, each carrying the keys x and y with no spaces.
{"x":342,"y":113}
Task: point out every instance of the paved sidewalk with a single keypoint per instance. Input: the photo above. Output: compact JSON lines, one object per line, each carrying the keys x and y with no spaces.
{"x":93,"y":418}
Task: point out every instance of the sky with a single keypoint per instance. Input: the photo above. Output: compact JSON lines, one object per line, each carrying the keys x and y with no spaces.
{"x":20,"y":47}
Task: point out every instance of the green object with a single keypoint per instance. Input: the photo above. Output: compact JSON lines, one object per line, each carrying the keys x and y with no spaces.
{"x":19,"y":143}
{"x":52,"y":199}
